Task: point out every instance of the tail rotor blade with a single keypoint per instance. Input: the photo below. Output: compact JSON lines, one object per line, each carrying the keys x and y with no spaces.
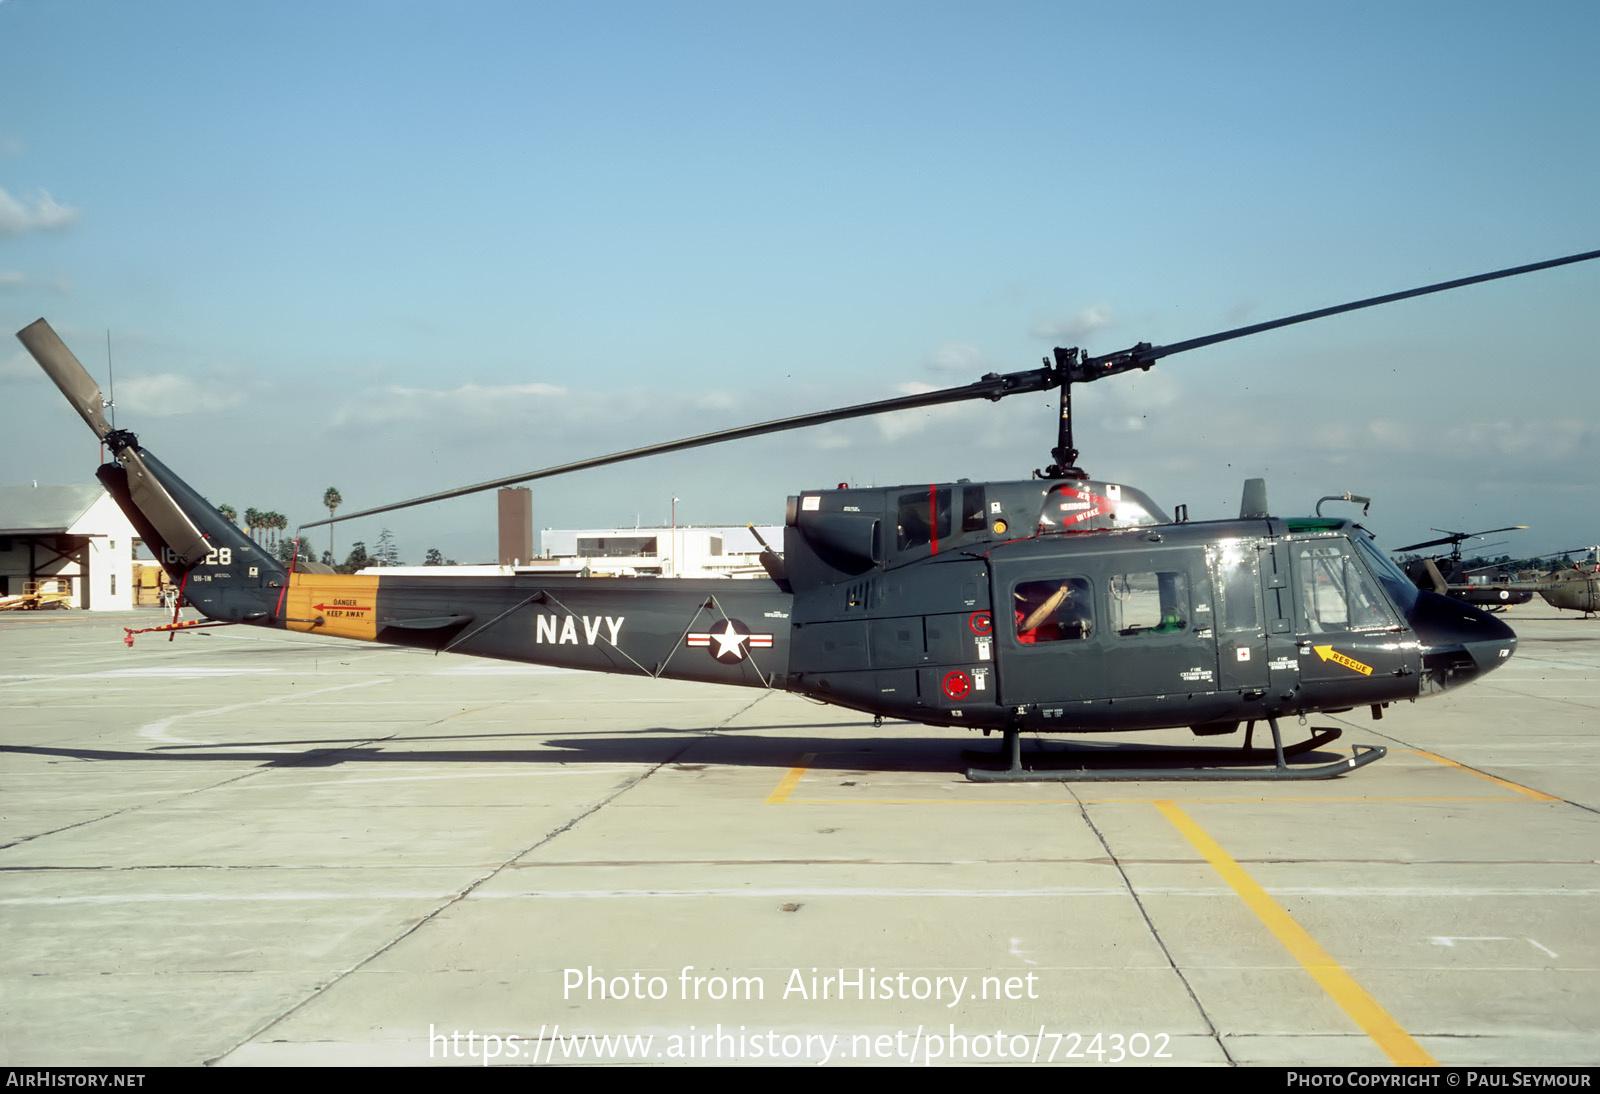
{"x":67,"y":372}
{"x":162,"y":510}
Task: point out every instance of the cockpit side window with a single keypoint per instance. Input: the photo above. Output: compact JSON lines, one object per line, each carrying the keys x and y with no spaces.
{"x":1336,"y":591}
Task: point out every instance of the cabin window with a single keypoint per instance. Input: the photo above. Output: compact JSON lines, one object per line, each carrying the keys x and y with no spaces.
{"x":918,"y":526}
{"x":1336,"y":592}
{"x":1150,"y":602}
{"x":1058,"y":610}
{"x":1239,"y":583}
{"x":974,"y":509}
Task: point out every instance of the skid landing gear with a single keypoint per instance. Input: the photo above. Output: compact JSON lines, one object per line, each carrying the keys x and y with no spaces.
{"x":1073,"y":765}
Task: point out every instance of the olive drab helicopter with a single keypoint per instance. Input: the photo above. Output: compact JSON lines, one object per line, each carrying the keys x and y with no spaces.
{"x":1576,"y":586}
{"x":1057,"y":604}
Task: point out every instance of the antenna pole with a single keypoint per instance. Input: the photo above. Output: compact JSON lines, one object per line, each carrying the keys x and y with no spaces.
{"x":111,"y":377}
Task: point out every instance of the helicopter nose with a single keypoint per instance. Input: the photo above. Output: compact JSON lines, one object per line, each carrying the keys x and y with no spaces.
{"x":1459,"y":642}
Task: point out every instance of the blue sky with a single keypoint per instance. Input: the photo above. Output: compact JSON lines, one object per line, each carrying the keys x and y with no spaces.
{"x":400,"y":247}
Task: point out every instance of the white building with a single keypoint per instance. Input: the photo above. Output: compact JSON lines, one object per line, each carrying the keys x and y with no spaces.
{"x":730,"y":551}
{"x":74,"y":534}
{"x":685,"y":551}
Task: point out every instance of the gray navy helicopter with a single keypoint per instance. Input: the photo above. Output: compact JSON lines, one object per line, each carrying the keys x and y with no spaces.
{"x":1428,"y":573}
{"x":1057,"y":604}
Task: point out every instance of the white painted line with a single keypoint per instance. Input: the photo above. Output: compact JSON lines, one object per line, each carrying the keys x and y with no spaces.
{"x":565,"y":769}
{"x":198,"y":898}
{"x":1016,"y":952}
{"x":157,"y":730}
{"x":553,"y":894}
{"x":844,"y":890}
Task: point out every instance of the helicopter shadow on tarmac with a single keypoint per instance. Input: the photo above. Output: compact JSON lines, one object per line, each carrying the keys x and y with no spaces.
{"x":658,"y":746}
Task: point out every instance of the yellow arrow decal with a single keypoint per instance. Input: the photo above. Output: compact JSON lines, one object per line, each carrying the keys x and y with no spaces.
{"x":1328,"y":653}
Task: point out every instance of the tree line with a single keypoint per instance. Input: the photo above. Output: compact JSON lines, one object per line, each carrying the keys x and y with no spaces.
{"x":267,"y":528}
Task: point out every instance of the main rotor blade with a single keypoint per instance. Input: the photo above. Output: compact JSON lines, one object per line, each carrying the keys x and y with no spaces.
{"x":992,"y":386}
{"x":68,"y":373}
{"x":1143,"y":355}
{"x":1461,"y":537}
{"x":1427,"y":543}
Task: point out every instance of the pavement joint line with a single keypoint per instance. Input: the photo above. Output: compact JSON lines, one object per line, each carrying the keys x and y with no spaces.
{"x":471,"y":887}
{"x":1155,"y":934}
{"x":315,"y":756}
{"x":1536,"y":795}
{"x":1398,"y":1045}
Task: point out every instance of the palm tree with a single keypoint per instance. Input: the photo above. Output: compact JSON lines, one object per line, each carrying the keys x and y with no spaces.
{"x":331,"y":500}
{"x":229,"y":513}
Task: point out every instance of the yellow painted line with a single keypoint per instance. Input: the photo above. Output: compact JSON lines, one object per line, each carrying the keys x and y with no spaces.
{"x":1362,"y":1008}
{"x":1528,"y":791}
{"x":927,"y":801}
{"x":1351,"y":800}
{"x":791,"y":780}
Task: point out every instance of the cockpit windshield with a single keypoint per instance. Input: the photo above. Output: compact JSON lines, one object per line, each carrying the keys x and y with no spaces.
{"x":1401,"y":589}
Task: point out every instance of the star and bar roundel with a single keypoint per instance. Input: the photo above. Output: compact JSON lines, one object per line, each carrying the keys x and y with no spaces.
{"x":729,"y":641}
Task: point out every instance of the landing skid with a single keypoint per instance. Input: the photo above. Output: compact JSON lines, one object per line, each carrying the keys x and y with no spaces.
{"x":1016,"y":771}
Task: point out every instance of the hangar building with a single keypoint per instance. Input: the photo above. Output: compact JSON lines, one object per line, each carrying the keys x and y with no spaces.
{"x":68,"y":537}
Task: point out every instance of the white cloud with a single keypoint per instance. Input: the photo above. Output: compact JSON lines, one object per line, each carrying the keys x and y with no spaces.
{"x":42,"y":213}
{"x":476,"y":392}
{"x":1557,"y":439}
{"x":908,"y":423}
{"x":15,"y":281}
{"x":475,"y":403}
{"x":18,"y":366}
{"x":166,"y":395}
{"x":958,"y":358}
{"x":1074,"y":327}
{"x":716,"y":400}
